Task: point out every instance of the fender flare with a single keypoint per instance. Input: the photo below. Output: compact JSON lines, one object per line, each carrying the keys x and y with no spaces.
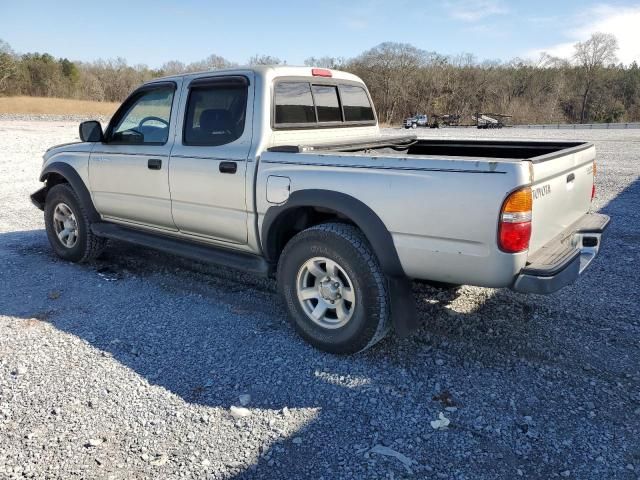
{"x":403,"y":306}
{"x":73,"y":178}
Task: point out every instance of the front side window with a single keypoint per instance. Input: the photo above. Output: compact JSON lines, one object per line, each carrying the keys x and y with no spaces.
{"x":327,"y":104}
{"x":215,"y":115}
{"x":146,"y":120}
{"x":294,"y":103}
{"x":355,"y":103}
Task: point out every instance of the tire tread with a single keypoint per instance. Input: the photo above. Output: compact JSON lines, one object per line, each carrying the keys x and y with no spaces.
{"x":94,"y":245}
{"x":354,"y":236}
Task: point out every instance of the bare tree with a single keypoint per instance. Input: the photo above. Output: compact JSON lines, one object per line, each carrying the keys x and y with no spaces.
{"x":173,"y":67}
{"x":402,"y":80}
{"x":326,"y":62}
{"x":391,"y":70}
{"x":212,"y":62}
{"x":592,"y":55}
{"x":7,"y":64}
{"x":265,"y":60}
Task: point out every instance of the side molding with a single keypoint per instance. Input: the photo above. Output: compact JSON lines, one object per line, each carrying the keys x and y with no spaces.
{"x":72,"y":176}
{"x":403,"y":308}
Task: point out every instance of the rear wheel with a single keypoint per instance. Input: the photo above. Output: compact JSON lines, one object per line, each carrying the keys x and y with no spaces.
{"x":68,"y":226}
{"x":334,"y":288}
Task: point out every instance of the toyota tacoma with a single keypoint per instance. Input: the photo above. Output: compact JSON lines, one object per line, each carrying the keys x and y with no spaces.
{"x":283,"y":171}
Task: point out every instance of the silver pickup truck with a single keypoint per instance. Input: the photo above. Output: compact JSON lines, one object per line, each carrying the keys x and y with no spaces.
{"x":283,"y":171}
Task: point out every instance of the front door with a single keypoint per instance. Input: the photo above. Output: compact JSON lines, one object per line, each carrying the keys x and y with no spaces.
{"x":129,"y":171}
{"x":209,"y":159}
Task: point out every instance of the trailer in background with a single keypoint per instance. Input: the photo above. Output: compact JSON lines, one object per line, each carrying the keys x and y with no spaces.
{"x":447,"y":120}
{"x":490,"y":120}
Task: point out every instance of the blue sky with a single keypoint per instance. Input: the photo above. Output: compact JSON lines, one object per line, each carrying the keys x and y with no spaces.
{"x":152,"y":32}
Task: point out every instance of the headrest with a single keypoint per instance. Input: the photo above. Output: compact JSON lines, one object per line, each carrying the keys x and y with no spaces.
{"x":215,"y":120}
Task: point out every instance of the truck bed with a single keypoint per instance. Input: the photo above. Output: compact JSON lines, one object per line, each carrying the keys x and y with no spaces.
{"x":532,"y":150}
{"x":560,"y":175}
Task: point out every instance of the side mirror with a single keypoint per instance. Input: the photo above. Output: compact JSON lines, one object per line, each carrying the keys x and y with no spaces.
{"x":91,"y":131}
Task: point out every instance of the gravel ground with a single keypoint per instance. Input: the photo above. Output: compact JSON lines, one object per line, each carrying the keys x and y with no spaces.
{"x":143,"y":365}
{"x":46,"y":117}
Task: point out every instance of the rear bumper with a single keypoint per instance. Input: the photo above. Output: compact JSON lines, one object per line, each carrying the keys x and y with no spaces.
{"x":38,"y":197}
{"x":561,"y":261}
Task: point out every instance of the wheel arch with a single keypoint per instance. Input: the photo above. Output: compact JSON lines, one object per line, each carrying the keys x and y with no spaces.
{"x":348,"y":208}
{"x":403,"y":308}
{"x":59,"y":172}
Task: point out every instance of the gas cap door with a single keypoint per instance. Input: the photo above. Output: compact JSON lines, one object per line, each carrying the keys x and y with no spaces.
{"x":278,"y":189}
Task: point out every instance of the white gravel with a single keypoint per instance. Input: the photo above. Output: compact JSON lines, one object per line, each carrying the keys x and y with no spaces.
{"x":129,"y":367}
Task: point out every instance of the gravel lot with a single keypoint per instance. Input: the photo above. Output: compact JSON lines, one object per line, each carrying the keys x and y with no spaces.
{"x":129,"y":367}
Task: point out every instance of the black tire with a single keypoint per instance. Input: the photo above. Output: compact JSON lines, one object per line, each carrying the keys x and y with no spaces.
{"x":347,"y":246}
{"x":87,"y":245}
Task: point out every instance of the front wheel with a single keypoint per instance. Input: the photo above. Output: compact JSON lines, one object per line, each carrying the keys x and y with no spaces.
{"x":68,"y":226}
{"x":334,"y":289}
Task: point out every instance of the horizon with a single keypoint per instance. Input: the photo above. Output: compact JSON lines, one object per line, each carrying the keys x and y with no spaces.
{"x":497,"y":30}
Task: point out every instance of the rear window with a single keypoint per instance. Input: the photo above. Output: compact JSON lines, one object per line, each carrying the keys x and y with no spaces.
{"x":294,"y":103}
{"x":306,"y":105}
{"x":327,"y":104}
{"x":355,"y":103}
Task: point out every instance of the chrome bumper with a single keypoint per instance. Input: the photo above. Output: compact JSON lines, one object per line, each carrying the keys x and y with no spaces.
{"x":561,"y":261}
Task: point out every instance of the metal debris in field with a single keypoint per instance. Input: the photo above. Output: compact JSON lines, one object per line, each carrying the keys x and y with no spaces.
{"x":389,"y":452}
{"x":108,"y":274}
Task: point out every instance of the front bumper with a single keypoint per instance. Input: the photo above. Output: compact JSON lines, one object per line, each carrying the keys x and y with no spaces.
{"x":561,"y":261}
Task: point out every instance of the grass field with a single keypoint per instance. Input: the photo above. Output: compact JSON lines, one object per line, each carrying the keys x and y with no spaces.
{"x":55,"y":106}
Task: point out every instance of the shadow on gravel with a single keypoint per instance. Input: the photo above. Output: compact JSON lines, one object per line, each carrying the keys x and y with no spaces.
{"x":209,"y":335}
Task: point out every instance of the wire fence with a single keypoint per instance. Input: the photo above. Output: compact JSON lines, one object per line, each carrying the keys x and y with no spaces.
{"x":583,"y":126}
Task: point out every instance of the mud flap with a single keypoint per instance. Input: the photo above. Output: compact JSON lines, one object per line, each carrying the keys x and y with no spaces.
{"x":37,"y":198}
{"x":404,"y":314}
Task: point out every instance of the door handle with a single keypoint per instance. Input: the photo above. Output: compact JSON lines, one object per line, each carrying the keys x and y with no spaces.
{"x":571,"y":177}
{"x":228,"y":167}
{"x":154,"y":164}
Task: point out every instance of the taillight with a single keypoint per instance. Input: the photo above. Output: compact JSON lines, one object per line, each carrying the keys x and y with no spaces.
{"x":321,"y":72}
{"x":514,"y":230}
{"x":593,"y":187}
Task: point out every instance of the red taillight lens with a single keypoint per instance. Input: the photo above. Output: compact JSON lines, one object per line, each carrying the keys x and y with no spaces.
{"x":514,"y":230}
{"x":514,"y":237}
{"x":593,"y":188}
{"x":321,"y":72}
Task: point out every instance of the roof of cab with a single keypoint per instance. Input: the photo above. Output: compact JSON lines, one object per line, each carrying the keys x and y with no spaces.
{"x":269,"y":72}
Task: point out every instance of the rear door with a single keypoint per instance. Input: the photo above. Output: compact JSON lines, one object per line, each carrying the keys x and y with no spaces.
{"x":562,"y":185}
{"x":209,"y":159}
{"x":129,"y":171}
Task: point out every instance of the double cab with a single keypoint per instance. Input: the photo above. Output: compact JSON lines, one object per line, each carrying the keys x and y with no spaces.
{"x":283,"y":171}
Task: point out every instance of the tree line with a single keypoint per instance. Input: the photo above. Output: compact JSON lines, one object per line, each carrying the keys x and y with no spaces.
{"x":591,"y":86}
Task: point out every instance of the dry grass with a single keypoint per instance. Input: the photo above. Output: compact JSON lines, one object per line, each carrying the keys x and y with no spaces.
{"x":56,"y":106}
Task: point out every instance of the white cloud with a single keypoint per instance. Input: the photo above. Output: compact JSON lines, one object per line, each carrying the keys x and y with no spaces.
{"x":623,"y":22}
{"x":357,"y":23}
{"x":475,"y":10}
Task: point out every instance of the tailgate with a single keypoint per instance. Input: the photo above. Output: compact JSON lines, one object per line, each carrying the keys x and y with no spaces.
{"x":562,"y":185}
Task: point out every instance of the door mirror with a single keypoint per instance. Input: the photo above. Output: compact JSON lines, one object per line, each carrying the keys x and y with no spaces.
{"x":91,"y":131}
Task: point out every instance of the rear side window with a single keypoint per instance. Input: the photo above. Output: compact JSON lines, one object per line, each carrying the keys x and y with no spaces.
{"x":355,"y":103}
{"x":294,"y":103}
{"x":215,"y":115}
{"x":327,"y":103}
